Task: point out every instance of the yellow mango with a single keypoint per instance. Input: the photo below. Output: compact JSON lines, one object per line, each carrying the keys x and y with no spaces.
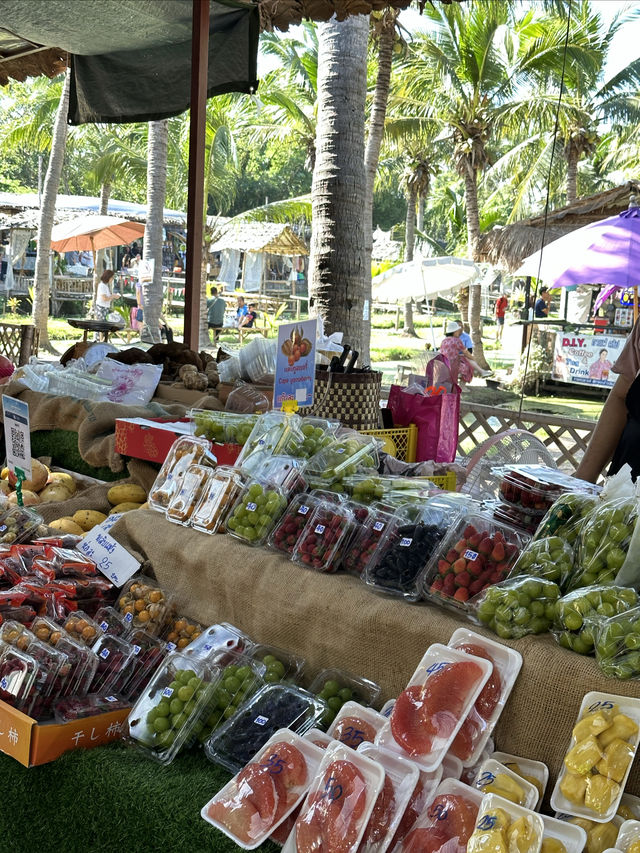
{"x":490,"y":841}
{"x":601,"y":793}
{"x":506,"y":787}
{"x":623,"y":727}
{"x":88,"y":518}
{"x":583,"y":756}
{"x":593,"y":724}
{"x":552,"y":845}
{"x":126,"y":493}
{"x":126,"y":506}
{"x":574,"y":787}
{"x":521,"y":836}
{"x":617,"y":757}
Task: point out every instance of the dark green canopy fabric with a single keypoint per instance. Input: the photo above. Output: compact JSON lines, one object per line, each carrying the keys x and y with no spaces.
{"x":131,"y":59}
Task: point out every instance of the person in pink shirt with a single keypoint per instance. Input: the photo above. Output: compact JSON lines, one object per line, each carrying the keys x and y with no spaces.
{"x":600,"y":369}
{"x":460,"y":360}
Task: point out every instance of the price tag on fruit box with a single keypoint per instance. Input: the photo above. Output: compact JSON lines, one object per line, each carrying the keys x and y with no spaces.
{"x":17,"y":436}
{"x":470,"y":555}
{"x":113,"y":559}
{"x":405,"y":542}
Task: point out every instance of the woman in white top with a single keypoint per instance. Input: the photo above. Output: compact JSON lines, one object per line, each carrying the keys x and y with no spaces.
{"x":105,"y":295}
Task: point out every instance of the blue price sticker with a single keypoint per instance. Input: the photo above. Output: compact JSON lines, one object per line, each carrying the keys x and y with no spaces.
{"x":303,"y":510}
{"x":405,"y":542}
{"x":104,"y":654}
{"x":252,"y":507}
{"x":167,"y":692}
{"x":378,"y":526}
{"x":261,"y":721}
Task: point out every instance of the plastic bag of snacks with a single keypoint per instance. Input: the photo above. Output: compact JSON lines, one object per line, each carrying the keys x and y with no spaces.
{"x":550,"y":558}
{"x":617,"y":644}
{"x":566,"y":517}
{"x":597,"y":764}
{"x":579,"y":613}
{"x":603,"y":542}
{"x":517,"y":607}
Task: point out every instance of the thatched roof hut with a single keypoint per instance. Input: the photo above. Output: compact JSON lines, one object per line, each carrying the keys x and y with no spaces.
{"x":271,"y":238}
{"x":507,"y":246}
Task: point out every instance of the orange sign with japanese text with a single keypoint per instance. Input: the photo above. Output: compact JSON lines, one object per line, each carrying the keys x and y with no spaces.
{"x":15,"y":733}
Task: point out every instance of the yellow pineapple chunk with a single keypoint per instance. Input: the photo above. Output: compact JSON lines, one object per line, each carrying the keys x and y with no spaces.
{"x":552,"y":845}
{"x":583,"y":756}
{"x":623,"y":727}
{"x":574,"y":787}
{"x":521,"y":836}
{"x":617,"y":758}
{"x":593,"y":724}
{"x":601,"y":793}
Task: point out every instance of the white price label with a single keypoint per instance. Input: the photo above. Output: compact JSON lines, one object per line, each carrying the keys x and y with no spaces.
{"x":470,"y":555}
{"x":303,"y":510}
{"x":320,"y":528}
{"x":261,"y":721}
{"x":252,"y":507}
{"x":113,"y":560}
{"x":17,"y":435}
{"x":378,"y":526}
{"x":405,"y":542}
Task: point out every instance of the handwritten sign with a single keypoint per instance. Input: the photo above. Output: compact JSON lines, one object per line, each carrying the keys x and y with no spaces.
{"x":113,"y":560}
{"x":17,"y":435}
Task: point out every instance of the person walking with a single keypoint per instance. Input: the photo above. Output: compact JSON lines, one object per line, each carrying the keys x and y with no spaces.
{"x":502,"y":304}
{"x":105,"y":295}
{"x":216,"y":307}
{"x":460,"y":360}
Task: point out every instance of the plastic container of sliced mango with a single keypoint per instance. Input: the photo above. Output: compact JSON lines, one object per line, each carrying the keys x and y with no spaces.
{"x":535,"y":772}
{"x":496,"y":778}
{"x":629,"y":837}
{"x":605,"y":738}
{"x":569,"y":837}
{"x":510,"y":825}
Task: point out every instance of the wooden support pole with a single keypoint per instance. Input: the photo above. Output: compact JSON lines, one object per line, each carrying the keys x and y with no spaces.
{"x":195,"y":201}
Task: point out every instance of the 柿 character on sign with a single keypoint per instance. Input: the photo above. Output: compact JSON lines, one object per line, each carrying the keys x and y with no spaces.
{"x":13,"y":736}
{"x":114,"y":729}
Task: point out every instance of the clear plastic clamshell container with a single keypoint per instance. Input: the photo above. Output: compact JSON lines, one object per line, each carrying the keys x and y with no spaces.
{"x":172,"y":707}
{"x":240,"y":679}
{"x":18,"y":524}
{"x":400,"y":779}
{"x":222,"y":427}
{"x":82,"y":628}
{"x":496,"y":778}
{"x":112,"y":622}
{"x":185,"y":451}
{"x":18,"y":672}
{"x":320,"y":545}
{"x":341,"y":458}
{"x":54,"y":671}
{"x":83,"y":662}
{"x":273,"y":707}
{"x":336,"y":686}
{"x":280,"y":664}
{"x":447,"y":819}
{"x":217,"y":498}
{"x":512,"y":823}
{"x":351,"y":782}
{"x":535,"y":772}
{"x":78,"y":707}
{"x":114,"y":656}
{"x":144,"y":604}
{"x":148,"y":654}
{"x":477,"y":552}
{"x":431,"y":709}
{"x":479,"y":724}
{"x":270,"y":436}
{"x":397,"y":566}
{"x":179,"y":631}
{"x":534,"y":488}
{"x":367,"y":535}
{"x":194,"y":484}
{"x":355,"y":724}
{"x":287,"y":532}
{"x":316,"y":433}
{"x":598,"y":762}
{"x":256,"y":512}
{"x":282,"y":769}
{"x":219,"y":638}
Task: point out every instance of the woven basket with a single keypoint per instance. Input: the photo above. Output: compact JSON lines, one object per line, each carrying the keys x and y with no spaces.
{"x":352,"y":398}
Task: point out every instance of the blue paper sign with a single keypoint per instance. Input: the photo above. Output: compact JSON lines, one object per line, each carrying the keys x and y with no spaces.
{"x":295,"y":363}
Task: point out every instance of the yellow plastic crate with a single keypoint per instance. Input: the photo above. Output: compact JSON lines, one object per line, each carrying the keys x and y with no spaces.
{"x":401,"y":442}
{"x":446,"y":482}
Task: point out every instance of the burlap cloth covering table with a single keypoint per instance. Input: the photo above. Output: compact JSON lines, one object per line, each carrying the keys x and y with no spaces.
{"x":335,"y":620}
{"x":95,"y":423}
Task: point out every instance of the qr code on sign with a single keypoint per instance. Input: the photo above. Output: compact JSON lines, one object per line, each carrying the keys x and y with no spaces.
{"x":17,"y":443}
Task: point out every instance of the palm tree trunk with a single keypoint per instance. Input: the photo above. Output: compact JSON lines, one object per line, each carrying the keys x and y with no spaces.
{"x":409,"y":240}
{"x":386,"y":41}
{"x":41,"y":281}
{"x":463,"y":305}
{"x":157,"y":146}
{"x":105,"y":192}
{"x":473,"y":236}
{"x":420,"y":214}
{"x":337,"y":265}
{"x":572,"y":177}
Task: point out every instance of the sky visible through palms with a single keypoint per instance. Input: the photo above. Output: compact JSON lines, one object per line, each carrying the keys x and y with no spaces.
{"x":625,"y":45}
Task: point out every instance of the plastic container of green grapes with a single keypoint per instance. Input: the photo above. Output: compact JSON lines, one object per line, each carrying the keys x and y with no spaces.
{"x":270,"y":436}
{"x":171,"y":709}
{"x":222,"y":427}
{"x":256,"y":512}
{"x":336,"y":686}
{"x":342,"y":458}
{"x":280,"y":664}
{"x":316,"y":434}
{"x":241,"y":677}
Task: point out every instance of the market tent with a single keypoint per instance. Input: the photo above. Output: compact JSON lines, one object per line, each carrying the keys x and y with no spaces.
{"x":423,"y":278}
{"x":22,"y":209}
{"x":507,"y":246}
{"x":132,"y":61}
{"x":255,"y":240}
{"x":91,"y":233}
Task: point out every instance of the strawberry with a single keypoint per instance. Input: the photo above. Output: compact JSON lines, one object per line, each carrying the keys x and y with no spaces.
{"x":460,"y":565}
{"x":497,"y":555}
{"x":469,"y":531}
{"x":496,"y":577}
{"x":475,"y":540}
{"x":449,"y":584}
{"x":474,"y":567}
{"x":451,"y":556}
{"x":475,"y":586}
{"x":437,"y":585}
{"x":461,"y":594}
{"x":463,"y":579}
{"x":444,"y":567}
{"x":460,"y":547}
{"x":485,"y":546}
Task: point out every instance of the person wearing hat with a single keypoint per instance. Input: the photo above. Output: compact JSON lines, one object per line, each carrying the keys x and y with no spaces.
{"x":460,"y":359}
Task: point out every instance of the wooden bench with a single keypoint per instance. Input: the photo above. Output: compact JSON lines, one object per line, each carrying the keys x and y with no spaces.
{"x":69,"y":289}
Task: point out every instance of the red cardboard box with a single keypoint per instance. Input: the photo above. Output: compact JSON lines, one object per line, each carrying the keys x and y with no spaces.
{"x":32,"y":743}
{"x":143,"y":441}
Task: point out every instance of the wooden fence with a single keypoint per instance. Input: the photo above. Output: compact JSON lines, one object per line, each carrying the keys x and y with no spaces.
{"x":565,"y":438}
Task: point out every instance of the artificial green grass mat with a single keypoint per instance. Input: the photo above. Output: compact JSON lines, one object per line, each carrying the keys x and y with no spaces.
{"x":110,"y":799}
{"x":62,"y":446}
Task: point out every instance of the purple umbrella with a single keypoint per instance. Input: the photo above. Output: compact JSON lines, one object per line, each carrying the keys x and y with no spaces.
{"x":604,"y":252}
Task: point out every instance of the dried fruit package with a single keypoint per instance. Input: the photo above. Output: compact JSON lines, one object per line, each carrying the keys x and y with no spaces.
{"x":562,"y":837}
{"x":354,"y":724}
{"x":184,"y":451}
{"x":400,"y":779}
{"x":597,"y":764}
{"x":604,"y":541}
{"x":496,"y":778}
{"x":262,"y":795}
{"x":217,"y":498}
{"x":193,"y":486}
{"x":429,"y":712}
{"x":502,"y":825}
{"x":477,"y":727}
{"x":535,"y":772}
{"x":447,"y":823}
{"x":339,"y":803}
{"x":580,"y":613}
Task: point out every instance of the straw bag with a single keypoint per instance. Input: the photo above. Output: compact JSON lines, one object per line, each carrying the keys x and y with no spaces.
{"x":352,"y":398}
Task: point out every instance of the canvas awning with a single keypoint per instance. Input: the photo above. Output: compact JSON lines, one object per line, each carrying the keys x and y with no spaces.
{"x":262,"y":237}
{"x":130,"y":59}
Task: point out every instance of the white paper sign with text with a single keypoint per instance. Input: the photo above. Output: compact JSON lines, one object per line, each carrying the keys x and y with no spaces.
{"x":112,"y":558}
